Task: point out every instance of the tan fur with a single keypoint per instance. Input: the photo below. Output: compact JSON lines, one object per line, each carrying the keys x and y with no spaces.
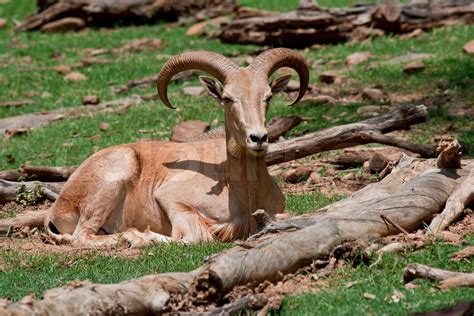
{"x":153,"y":191}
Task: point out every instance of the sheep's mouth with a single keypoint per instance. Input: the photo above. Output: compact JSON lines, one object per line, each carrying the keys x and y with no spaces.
{"x":258,"y":152}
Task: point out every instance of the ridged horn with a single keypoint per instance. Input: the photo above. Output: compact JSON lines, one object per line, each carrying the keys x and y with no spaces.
{"x":271,"y":60}
{"x":214,"y":64}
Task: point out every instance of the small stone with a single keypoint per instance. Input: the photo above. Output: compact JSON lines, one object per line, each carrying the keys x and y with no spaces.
{"x":372,"y":94}
{"x":297,"y":174}
{"x":369,"y":296}
{"x":197,"y":29}
{"x":328,"y":77}
{"x":321,"y":99}
{"x":74,"y":76}
{"x":369,"y":110}
{"x":357,"y":58}
{"x":411,"y":286}
{"x":188,"y":131}
{"x":46,"y":95}
{"x":63,"y":69}
{"x":377,"y":163}
{"x":410,"y":57}
{"x":68,"y":145}
{"x":293,"y":86}
{"x":315,"y":177}
{"x":468,"y":48}
{"x":3,"y":23}
{"x":413,"y":67}
{"x":193,"y":91}
{"x":90,"y":100}
{"x":104,"y":126}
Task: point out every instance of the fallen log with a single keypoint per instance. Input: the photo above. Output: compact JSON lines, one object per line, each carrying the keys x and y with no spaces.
{"x":447,"y":279}
{"x":409,"y":196}
{"x":9,"y":190}
{"x":311,"y":25}
{"x":39,"y":119}
{"x":364,"y":132}
{"x":57,"y":15}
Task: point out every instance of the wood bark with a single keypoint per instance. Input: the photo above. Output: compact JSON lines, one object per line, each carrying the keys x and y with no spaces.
{"x":409,"y":196}
{"x":39,"y":119}
{"x":9,"y":190}
{"x":447,"y":279}
{"x":308,"y":25}
{"x":455,"y":206}
{"x":38,"y":173}
{"x":52,"y":14}
{"x":368,"y":131}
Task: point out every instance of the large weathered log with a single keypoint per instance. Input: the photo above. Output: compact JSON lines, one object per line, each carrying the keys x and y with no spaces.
{"x":409,"y":196}
{"x":368,"y":131}
{"x":308,"y":26}
{"x":38,"y":173}
{"x":52,"y":13}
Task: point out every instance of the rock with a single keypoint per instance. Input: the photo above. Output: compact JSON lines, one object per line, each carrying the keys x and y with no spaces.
{"x":372,"y":94}
{"x":357,"y":58}
{"x":64,"y":25}
{"x":293,"y":86}
{"x":104,"y":126}
{"x":90,"y":100}
{"x":329,"y":77}
{"x":413,"y":67}
{"x":297,"y":175}
{"x":3,"y":23}
{"x":377,"y":163}
{"x":369,"y":110}
{"x":188,"y":131}
{"x":197,"y":29}
{"x":74,"y":76}
{"x":193,"y":91}
{"x":46,"y":95}
{"x":63,"y":69}
{"x":320,"y":99}
{"x":409,"y":58}
{"x":361,"y":33}
{"x":413,"y":34}
{"x":468,"y":48}
{"x":315,"y":177}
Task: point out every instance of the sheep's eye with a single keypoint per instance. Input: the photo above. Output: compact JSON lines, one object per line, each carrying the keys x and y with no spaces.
{"x":226,"y":100}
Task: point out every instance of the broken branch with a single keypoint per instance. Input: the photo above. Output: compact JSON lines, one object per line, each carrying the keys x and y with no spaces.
{"x":447,"y":279}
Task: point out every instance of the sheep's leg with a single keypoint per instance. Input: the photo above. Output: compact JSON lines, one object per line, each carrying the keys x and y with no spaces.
{"x":188,"y":225}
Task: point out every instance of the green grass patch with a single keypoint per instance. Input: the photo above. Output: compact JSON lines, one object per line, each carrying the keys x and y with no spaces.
{"x":24,"y":274}
{"x":382,"y":281}
{"x":301,"y":204}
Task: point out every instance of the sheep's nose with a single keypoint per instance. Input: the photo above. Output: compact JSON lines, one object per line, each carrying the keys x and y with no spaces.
{"x":259,"y":137}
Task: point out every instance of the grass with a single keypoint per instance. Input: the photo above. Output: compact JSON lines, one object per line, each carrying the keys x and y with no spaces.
{"x":448,"y":77}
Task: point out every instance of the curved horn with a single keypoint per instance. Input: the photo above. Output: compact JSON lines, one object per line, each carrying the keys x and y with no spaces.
{"x":271,"y":60}
{"x":215,"y":64}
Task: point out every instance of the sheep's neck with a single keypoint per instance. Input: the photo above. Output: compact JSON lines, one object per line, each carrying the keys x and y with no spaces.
{"x":246,"y":175}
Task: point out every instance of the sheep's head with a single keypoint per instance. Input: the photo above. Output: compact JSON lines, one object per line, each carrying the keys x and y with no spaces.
{"x":244,"y":93}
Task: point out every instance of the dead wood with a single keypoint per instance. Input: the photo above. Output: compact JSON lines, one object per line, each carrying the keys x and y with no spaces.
{"x":30,"y":219}
{"x":311,"y":24}
{"x":9,"y":190}
{"x":280,"y":125}
{"x":364,"y":132}
{"x":150,"y":80}
{"x":110,"y":13}
{"x":455,"y":206}
{"x":410,"y":195}
{"x":447,"y":279}
{"x":463,"y":254}
{"x":39,"y":119}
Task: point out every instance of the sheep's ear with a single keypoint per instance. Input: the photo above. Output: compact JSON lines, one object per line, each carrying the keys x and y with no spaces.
{"x":280,"y":83}
{"x":212,"y":86}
